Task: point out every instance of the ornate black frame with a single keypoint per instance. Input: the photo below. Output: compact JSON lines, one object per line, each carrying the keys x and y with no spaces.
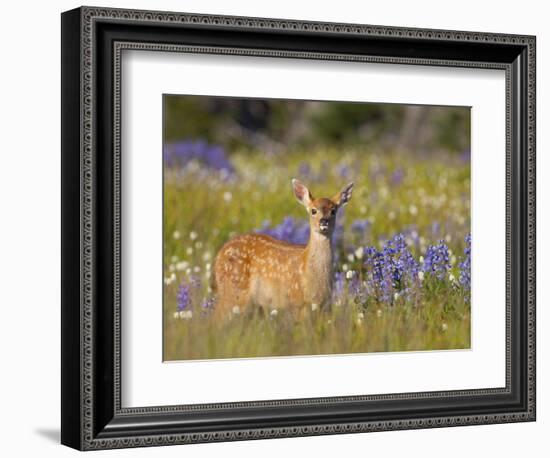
{"x":92,"y":42}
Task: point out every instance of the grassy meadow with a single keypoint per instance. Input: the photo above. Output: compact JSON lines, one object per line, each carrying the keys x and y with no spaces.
{"x":402,"y":255}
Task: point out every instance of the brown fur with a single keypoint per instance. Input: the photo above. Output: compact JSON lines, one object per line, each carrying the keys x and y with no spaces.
{"x":258,"y":270}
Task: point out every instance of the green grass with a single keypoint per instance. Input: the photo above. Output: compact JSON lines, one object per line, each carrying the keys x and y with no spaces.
{"x":201,"y":212}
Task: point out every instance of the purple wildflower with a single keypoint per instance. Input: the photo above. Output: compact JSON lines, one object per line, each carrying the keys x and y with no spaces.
{"x":360,"y":226}
{"x":304,"y":170}
{"x":355,"y":288}
{"x":344,"y":171}
{"x":392,"y":269}
{"x":436,"y":260}
{"x":183,"y":298}
{"x":397,"y":176}
{"x":379,"y":276}
{"x":210,"y":156}
{"x":207,"y":305}
{"x":290,"y":230}
{"x":465,"y":265}
{"x":465,"y":156}
{"x":338,"y":286}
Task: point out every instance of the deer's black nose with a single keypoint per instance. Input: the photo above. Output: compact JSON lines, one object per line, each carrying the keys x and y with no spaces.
{"x":325,"y":221}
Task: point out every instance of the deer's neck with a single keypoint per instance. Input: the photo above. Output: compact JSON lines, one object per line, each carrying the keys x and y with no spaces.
{"x":318,"y":268}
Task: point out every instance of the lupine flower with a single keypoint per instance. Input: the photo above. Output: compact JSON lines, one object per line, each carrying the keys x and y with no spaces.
{"x":207,"y":306}
{"x":465,"y":156}
{"x":290,"y":230}
{"x":179,"y":154}
{"x":185,"y":293}
{"x":355,"y":288}
{"x":379,"y":272}
{"x":344,"y":171}
{"x":338,"y":286}
{"x":360,"y":226}
{"x":304,"y":170}
{"x":436,"y":260}
{"x":397,"y":176}
{"x":183,"y":298}
{"x":465,"y":265}
{"x":391,"y":270}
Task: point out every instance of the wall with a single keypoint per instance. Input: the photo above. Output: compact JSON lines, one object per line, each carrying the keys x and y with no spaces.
{"x":30,"y":241}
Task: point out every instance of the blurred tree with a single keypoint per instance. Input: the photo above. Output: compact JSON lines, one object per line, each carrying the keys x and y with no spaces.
{"x":276,"y":125}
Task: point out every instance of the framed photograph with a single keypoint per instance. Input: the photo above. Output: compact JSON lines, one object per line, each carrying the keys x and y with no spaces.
{"x":276,"y":228}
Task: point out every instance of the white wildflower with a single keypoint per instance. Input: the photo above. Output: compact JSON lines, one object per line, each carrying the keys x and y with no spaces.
{"x":176,"y":315}
{"x":206,"y":256}
{"x":345,"y":267}
{"x":359,"y":321}
{"x":413,"y":210}
{"x":186,"y":314}
{"x":196,"y":269}
{"x":350,"y":274}
{"x":198,"y":245}
{"x":176,"y":235}
{"x":174,"y":259}
{"x":182,"y":265}
{"x":227,"y":196}
{"x":444,"y":327}
{"x":274,"y":312}
{"x":314,"y":307}
{"x":395,"y":296}
{"x":236,"y":310}
{"x":207,"y":266}
{"x":171,"y":267}
{"x":359,"y":252}
{"x":360,"y":315}
{"x":171,"y":279}
{"x":421,"y":275}
{"x":189,"y":251}
{"x":452,"y":278}
{"x":379,"y":313}
{"x":193,"y":235}
{"x":351,"y":258}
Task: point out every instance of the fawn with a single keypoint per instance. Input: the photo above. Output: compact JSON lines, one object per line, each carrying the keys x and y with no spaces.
{"x":258,"y":270}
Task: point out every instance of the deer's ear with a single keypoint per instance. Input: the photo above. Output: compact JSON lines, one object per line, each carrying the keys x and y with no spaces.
{"x":344,"y":196}
{"x":301,"y":192}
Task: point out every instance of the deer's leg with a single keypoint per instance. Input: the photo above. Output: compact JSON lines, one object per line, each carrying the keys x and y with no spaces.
{"x":233,"y":300}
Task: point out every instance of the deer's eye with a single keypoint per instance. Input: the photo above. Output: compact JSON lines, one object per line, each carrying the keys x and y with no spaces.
{"x":313,"y":211}
{"x":333,"y":212}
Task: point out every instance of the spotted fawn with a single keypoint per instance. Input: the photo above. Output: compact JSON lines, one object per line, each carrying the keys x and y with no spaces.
{"x":256,"y":270}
